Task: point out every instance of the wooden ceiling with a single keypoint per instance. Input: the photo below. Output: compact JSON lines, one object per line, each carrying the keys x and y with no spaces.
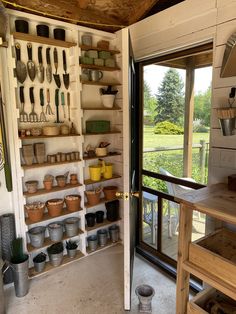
{"x":108,"y":15}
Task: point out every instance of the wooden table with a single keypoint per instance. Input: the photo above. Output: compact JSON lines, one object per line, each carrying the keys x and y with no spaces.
{"x":215,"y":201}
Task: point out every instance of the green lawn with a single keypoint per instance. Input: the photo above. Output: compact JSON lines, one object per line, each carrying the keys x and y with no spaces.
{"x":152,"y":140}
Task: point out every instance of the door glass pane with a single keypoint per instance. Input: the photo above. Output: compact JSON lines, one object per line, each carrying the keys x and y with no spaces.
{"x":149,"y":219}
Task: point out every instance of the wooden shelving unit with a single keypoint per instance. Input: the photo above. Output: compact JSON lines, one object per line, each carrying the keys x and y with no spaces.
{"x":86,"y":48}
{"x":54,"y":189}
{"x":46,"y":136}
{"x":89,"y":181}
{"x":100,"y":83}
{"x":97,"y":67}
{"x":96,"y":157}
{"x":48,"y":267}
{"x":212,"y":258}
{"x":111,"y":132}
{"x":102,"y":201}
{"x":48,"y":164}
{"x":99,"y":248}
{"x":48,"y":242}
{"x":65,"y":212}
{"x":43,"y":40}
{"x":102,"y":108}
{"x":101,"y":225}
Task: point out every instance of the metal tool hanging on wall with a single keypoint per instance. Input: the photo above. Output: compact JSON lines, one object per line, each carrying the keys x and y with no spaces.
{"x":42,"y":114}
{"x":33,"y":117}
{"x":40,"y":69}
{"x":23,"y":114}
{"x":48,"y":107}
{"x":56,"y":76}
{"x":30,"y":64}
{"x":66,"y":77}
{"x":21,"y":72}
{"x":7,"y":164}
{"x":57,"y":106}
{"x":49,"y":67}
{"x":63,"y":103}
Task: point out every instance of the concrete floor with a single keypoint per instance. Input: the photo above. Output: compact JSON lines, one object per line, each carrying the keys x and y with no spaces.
{"x":93,"y":285}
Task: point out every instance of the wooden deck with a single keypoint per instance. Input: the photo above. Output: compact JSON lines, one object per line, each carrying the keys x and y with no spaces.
{"x":170,"y":245}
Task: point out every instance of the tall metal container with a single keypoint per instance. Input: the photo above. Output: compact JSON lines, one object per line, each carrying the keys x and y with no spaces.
{"x":2,"y":298}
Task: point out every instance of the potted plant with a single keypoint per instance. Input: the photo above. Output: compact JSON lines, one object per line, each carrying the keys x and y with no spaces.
{"x":73,"y":202}
{"x":20,"y":264}
{"x":93,"y":196}
{"x":35,"y":211}
{"x":55,"y":253}
{"x":39,"y":262}
{"x":71,"y":247}
{"x":108,"y":96}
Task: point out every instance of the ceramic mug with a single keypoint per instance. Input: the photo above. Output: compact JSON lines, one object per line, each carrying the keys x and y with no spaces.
{"x":95,"y":75}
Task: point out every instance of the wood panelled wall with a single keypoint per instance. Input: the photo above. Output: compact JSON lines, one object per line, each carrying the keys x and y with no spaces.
{"x":187,"y":24}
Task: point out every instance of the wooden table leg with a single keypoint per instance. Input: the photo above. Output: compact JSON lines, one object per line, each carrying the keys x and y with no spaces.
{"x":185,"y":232}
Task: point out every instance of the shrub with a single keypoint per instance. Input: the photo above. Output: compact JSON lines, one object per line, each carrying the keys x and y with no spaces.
{"x":200,"y":129}
{"x":167,"y":127}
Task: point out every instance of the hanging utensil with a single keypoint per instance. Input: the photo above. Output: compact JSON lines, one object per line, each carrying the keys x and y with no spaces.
{"x":66,"y":77}
{"x":42,"y":114}
{"x":57,"y":105}
{"x":40,"y":70}
{"x":49,"y":67}
{"x":33,"y":117}
{"x":48,"y":107}
{"x":7,"y":164}
{"x":30,"y":64}
{"x":56,"y":76}
{"x":63,"y":103}
{"x":23,"y":114}
{"x":68,"y":104}
{"x":21,"y":72}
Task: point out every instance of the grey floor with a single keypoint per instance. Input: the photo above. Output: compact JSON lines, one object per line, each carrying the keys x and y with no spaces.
{"x":93,"y":285}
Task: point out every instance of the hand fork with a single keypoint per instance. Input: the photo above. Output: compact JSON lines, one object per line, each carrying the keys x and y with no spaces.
{"x":33,"y":117}
{"x":48,"y":107}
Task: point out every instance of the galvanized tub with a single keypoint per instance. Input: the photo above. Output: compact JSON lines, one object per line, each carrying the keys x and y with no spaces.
{"x":20,"y":275}
{"x":37,"y":235}
{"x":102,"y":237}
{"x":71,"y":226}
{"x":55,"y":231}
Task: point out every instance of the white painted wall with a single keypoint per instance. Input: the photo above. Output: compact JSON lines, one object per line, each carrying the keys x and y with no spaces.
{"x":189,"y":23}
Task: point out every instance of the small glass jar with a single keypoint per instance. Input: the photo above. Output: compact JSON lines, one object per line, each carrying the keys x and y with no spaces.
{"x":58,"y":157}
{"x":52,"y":159}
{"x":77,"y":155}
{"x":63,"y":157}
{"x":72,"y":156}
{"x":68,"y":157}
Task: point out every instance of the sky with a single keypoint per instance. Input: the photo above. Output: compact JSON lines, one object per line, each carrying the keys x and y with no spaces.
{"x":153,"y":75}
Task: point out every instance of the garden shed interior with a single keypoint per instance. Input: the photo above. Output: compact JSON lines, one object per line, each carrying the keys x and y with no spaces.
{"x":108,"y":149}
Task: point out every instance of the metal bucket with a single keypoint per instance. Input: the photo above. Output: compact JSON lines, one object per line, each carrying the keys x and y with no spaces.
{"x":92,"y":242}
{"x":55,"y":231}
{"x":71,"y":226}
{"x":227,"y":126}
{"x":20,"y":275}
{"x":102,"y":237}
{"x":39,"y":267}
{"x":72,"y":253}
{"x":114,"y":233}
{"x":37,"y":235}
{"x":55,"y":259}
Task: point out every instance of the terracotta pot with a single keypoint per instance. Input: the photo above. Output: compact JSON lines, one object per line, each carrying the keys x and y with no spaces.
{"x":35,"y":211}
{"x":73,"y":176}
{"x":61,"y":181}
{"x":73,"y":202}
{"x":48,"y":185}
{"x":55,"y":207}
{"x":110,"y":192}
{"x":93,"y":198}
{"x":31,"y":186}
{"x":73,"y":182}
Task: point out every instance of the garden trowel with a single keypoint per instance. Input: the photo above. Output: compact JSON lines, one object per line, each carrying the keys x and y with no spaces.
{"x":40,"y":70}
{"x":56,"y":76}
{"x":49,"y":67}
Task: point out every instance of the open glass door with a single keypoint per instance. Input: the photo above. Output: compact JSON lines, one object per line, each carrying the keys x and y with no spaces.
{"x":130,"y":140}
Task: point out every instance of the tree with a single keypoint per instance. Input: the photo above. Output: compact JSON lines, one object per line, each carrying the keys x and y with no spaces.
{"x":170,"y":99}
{"x":202,"y":107}
{"x":150,"y":103}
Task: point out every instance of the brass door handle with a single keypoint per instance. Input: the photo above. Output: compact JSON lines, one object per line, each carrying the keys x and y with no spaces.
{"x":126,"y":195}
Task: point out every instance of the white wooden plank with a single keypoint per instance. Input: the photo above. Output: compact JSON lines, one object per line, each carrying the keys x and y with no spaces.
{"x":226,"y":10}
{"x":218,"y":56}
{"x":222,"y":82}
{"x":224,"y":31}
{"x":218,"y":140}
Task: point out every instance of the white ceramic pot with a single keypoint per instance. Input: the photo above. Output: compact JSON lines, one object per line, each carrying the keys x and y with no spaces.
{"x":108,"y":100}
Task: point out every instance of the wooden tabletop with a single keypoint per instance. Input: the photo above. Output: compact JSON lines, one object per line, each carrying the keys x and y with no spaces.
{"x":216,"y":201}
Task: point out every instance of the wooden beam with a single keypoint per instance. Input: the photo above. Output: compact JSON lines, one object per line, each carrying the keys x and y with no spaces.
{"x":188,"y":119}
{"x":141,"y":10}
